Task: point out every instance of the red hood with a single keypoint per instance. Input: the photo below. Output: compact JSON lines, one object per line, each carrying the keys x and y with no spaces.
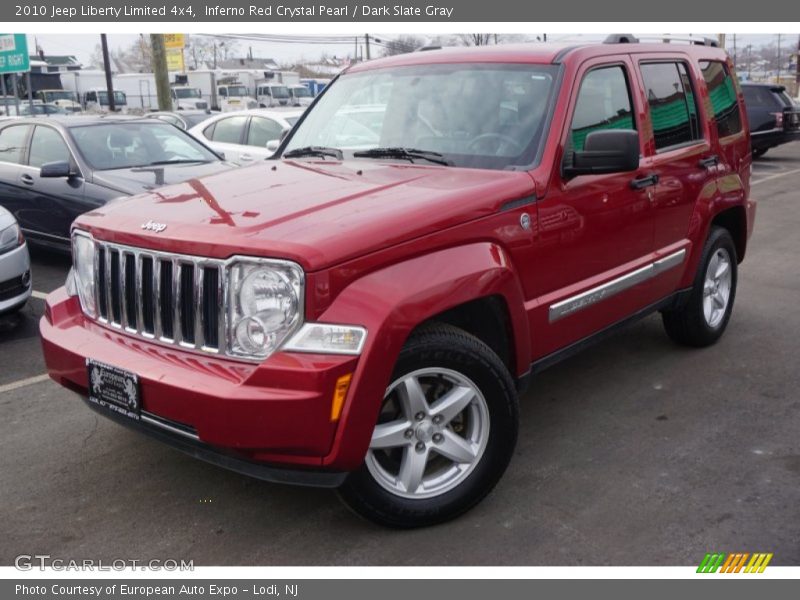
{"x":316,"y":213}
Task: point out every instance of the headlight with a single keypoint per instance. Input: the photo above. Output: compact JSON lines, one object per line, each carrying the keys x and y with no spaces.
{"x":328,"y":339}
{"x":83,"y":266}
{"x":10,"y":238}
{"x":265,"y":308}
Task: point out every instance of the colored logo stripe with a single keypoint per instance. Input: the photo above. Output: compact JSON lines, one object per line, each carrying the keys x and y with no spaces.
{"x":734,"y":562}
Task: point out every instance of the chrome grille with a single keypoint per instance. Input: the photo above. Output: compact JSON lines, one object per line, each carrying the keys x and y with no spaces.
{"x":169,"y":298}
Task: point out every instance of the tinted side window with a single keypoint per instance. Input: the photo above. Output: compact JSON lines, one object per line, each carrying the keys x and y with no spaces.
{"x":669,"y":102}
{"x":759,"y":96}
{"x":263,"y":130}
{"x":722,"y":93}
{"x":604,"y":102}
{"x":12,"y":143}
{"x":229,"y":131}
{"x":47,"y":145}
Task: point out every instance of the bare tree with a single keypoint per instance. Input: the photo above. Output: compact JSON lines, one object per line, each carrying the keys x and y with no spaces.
{"x":402,"y":44}
{"x":478,"y":39}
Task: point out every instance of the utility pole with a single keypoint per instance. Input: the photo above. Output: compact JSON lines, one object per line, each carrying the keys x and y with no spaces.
{"x":107,"y":68}
{"x":797,"y":67}
{"x":721,"y":40}
{"x":778,"y":78}
{"x":160,"y":71}
{"x":734,"y":51}
{"x":366,"y":43}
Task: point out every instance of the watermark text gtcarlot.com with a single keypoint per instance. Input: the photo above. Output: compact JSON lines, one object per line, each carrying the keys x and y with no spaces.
{"x":29,"y":562}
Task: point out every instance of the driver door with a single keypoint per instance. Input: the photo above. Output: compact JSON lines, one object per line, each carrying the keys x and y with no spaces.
{"x":593,"y":229}
{"x":52,"y":203}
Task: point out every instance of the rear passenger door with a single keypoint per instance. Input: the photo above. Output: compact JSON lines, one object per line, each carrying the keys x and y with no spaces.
{"x":726,"y":113}
{"x":679,"y":151}
{"x":13,"y":153}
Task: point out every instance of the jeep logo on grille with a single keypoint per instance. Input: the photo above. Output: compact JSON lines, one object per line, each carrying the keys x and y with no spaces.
{"x":154,"y":227}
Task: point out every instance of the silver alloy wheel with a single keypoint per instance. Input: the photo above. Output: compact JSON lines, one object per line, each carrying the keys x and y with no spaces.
{"x":717,"y":287}
{"x":432,"y":432}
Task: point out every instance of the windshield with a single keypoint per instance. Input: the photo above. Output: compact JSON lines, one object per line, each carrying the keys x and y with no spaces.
{"x":487,"y":116}
{"x":119,"y":98}
{"x":53,"y":96}
{"x":126,"y":145}
{"x":279,"y":91}
{"x":237,"y":91}
{"x":186,"y":93}
{"x":301,"y":92}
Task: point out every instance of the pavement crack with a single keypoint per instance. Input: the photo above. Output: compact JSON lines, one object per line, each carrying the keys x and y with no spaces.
{"x":91,"y":433}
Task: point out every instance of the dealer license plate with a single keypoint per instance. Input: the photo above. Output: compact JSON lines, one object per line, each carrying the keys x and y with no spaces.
{"x":114,"y":389}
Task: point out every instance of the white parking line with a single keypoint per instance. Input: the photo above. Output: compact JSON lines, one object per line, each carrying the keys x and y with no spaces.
{"x":776,"y":176}
{"x":40,"y":295}
{"x":15,"y":385}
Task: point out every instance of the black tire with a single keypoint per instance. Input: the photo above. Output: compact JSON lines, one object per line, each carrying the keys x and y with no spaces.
{"x":759,"y":152}
{"x":450,"y":348}
{"x":688,"y":324}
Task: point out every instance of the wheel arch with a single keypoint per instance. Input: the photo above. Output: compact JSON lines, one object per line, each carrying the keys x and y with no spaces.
{"x":451,"y":285}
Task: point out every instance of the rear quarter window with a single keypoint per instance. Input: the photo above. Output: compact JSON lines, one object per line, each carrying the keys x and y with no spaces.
{"x":722,"y":94}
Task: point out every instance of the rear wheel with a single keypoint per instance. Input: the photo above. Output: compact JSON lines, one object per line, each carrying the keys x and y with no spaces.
{"x":703,"y":319}
{"x":758,"y":152}
{"x":445,"y":433}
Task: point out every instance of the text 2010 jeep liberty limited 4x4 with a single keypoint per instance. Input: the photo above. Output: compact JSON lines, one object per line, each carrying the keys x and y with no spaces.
{"x":362,"y":311}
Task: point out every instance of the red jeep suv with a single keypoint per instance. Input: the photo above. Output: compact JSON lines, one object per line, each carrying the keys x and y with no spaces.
{"x":363,"y":311}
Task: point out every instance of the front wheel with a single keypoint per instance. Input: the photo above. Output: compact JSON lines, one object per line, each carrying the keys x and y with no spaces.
{"x":445,"y":433}
{"x":703,"y":319}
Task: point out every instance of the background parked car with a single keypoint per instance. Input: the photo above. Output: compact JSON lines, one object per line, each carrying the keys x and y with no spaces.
{"x":15,"y":265}
{"x":774,"y":119}
{"x":52,"y":170}
{"x":27,"y":110}
{"x":246,"y":136}
{"x":185,"y":119}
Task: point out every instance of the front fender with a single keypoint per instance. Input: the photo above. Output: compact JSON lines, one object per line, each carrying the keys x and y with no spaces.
{"x":391,"y":302}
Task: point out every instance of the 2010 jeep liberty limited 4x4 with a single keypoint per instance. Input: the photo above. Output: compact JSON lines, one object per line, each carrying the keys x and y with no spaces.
{"x":362,"y":311}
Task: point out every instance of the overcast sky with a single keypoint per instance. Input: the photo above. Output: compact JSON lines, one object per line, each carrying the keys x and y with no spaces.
{"x":83,"y":45}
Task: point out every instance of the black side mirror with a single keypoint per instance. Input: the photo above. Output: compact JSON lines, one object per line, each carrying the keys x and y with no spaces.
{"x":606,"y":151}
{"x":59,"y":168}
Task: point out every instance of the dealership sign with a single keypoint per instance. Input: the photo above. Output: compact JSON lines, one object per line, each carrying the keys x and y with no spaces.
{"x":14,"y":53}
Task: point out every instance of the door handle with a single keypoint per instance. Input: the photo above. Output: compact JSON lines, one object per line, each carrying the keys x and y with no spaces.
{"x":707,"y":163}
{"x":643,"y":182}
{"x":26,"y":179}
{"x":245,"y":157}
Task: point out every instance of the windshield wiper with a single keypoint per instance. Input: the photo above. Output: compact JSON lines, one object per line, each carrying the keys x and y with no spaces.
{"x":407,"y":153}
{"x":322,"y":151}
{"x":178,"y":161}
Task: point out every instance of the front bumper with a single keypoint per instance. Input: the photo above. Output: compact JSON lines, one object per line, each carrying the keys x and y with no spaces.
{"x":15,"y":278}
{"x":239,"y":415}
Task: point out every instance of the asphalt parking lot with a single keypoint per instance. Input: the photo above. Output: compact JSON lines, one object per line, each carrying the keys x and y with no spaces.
{"x":636,"y":452}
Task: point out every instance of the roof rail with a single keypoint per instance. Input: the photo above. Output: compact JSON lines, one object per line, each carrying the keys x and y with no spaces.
{"x":428,"y":48}
{"x":626,"y":38}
